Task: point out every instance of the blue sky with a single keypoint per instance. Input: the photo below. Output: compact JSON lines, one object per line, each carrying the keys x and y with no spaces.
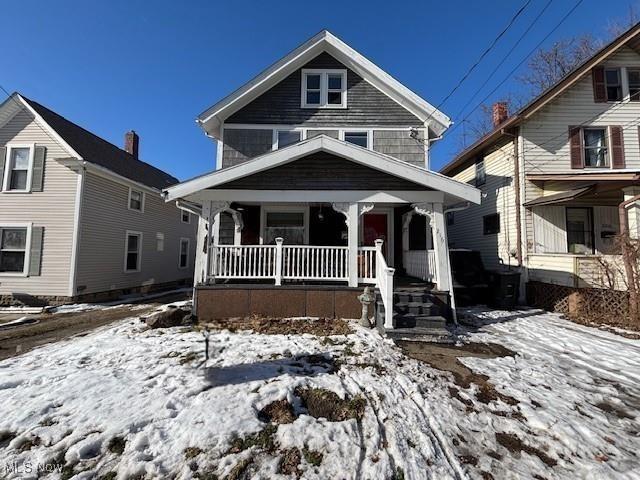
{"x":154,"y":66}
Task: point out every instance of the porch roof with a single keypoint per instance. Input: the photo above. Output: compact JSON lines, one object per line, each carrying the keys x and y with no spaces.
{"x":454,"y":190}
{"x":560,"y":197}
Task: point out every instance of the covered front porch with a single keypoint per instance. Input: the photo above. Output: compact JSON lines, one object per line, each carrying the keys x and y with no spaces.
{"x":323,"y":212}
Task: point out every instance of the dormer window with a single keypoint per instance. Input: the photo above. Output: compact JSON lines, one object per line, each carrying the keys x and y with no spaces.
{"x":324,"y":88}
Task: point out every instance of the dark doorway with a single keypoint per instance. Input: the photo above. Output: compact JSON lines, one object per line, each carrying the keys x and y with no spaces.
{"x":326,"y":226}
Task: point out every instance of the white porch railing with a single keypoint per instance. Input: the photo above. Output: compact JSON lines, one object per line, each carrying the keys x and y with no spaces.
{"x":384,"y":282}
{"x":308,"y":262}
{"x":420,"y":264}
{"x":243,"y":261}
{"x":367,"y":265}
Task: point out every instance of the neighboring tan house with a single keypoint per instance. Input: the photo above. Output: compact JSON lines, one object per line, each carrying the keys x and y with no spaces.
{"x":319,"y":157}
{"x":553,"y":176}
{"x":79,"y":217}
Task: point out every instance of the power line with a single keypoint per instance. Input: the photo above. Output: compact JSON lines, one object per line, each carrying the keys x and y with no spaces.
{"x":484,"y":54}
{"x":515,"y":45}
{"x":564,"y":18}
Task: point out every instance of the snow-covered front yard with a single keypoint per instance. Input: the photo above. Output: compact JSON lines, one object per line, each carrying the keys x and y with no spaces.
{"x":125,"y":402}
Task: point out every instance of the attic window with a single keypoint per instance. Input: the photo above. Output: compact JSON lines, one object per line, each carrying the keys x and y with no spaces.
{"x":613,"y":84}
{"x":324,"y":88}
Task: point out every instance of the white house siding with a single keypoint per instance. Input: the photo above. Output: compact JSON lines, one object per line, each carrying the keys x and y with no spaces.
{"x":53,"y":209}
{"x":467,"y":230}
{"x":105,"y":220}
{"x":546,"y":133}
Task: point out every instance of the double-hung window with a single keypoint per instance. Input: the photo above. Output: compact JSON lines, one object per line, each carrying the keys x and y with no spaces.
{"x":324,"y":88}
{"x":284,"y":138}
{"x":633,"y":79}
{"x":183,"y":257}
{"x":595,"y":147}
{"x":17,"y":169}
{"x":133,"y":251}
{"x":357,"y":138}
{"x":136,"y":200}
{"x":613,"y":84}
{"x":13,"y":249}
{"x":290,"y":224}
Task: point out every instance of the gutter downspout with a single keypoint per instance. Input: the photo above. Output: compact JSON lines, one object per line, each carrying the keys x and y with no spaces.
{"x":454,"y":313}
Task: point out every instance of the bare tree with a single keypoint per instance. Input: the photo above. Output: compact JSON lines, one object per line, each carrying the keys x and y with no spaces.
{"x":620,"y":25}
{"x":548,"y":65}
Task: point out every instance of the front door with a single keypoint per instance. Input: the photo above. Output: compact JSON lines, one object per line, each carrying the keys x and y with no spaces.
{"x":374,"y":226}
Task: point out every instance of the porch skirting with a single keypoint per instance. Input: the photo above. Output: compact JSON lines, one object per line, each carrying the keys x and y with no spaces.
{"x":229,"y":301}
{"x":577,"y":301}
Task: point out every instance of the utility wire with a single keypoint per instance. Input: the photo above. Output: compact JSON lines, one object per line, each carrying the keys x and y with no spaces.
{"x":508,"y":76}
{"x":515,"y":45}
{"x":482,"y":56}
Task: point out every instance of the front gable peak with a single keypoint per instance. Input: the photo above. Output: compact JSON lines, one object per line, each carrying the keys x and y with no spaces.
{"x":323,"y":42}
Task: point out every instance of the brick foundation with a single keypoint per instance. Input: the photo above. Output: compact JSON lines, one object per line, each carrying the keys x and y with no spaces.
{"x":229,"y":301}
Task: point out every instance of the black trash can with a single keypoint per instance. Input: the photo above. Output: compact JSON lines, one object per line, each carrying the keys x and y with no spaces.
{"x":505,"y":288}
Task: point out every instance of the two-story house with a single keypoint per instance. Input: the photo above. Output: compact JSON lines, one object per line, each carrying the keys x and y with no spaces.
{"x":81,"y":219}
{"x":321,"y":185}
{"x":553,"y":176}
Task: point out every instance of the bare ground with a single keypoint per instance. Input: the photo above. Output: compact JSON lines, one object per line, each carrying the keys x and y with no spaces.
{"x":53,"y":327}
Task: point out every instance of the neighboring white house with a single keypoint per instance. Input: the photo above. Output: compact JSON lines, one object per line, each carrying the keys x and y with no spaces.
{"x":80,"y":217}
{"x":553,"y":175}
{"x":322,"y":184}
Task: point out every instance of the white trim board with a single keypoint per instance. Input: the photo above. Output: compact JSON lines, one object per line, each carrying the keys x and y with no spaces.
{"x":213,"y":117}
{"x":318,"y":196}
{"x":378,"y":161}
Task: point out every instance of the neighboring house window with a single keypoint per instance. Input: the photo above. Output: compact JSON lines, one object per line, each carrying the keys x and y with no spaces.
{"x":595,"y":147}
{"x":481,"y":175}
{"x":284,"y":138}
{"x":324,"y":88}
{"x":290,"y":225}
{"x":136,"y":200}
{"x":579,"y":230}
{"x":160,"y":242}
{"x":183,"y":261}
{"x":13,"y":249}
{"x":633,"y":78}
{"x":357,"y":138}
{"x":450,"y":219}
{"x":18,"y":168}
{"x":133,"y":251}
{"x":186,"y":216}
{"x":613,"y":84}
{"x":491,"y":224}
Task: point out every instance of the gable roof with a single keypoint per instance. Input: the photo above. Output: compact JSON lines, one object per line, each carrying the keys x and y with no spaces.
{"x":212,"y":118}
{"x":630,"y":38}
{"x":378,"y":161}
{"x":93,"y":149}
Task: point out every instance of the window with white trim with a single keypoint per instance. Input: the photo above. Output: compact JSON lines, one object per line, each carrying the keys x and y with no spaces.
{"x":613,"y":84}
{"x":185,"y":216}
{"x":284,"y":138}
{"x":633,"y":80}
{"x":136,"y":200}
{"x":13,"y":249}
{"x":183,"y":260}
{"x":595,"y":147}
{"x":133,"y":251}
{"x":324,"y":88}
{"x":288,"y":223}
{"x":357,"y":138}
{"x":17,"y":169}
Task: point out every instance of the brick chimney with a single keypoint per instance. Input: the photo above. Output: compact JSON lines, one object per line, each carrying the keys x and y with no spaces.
{"x":131,"y":143}
{"x":500,"y":113}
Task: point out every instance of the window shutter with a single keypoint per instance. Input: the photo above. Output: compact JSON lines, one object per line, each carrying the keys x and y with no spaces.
{"x":575,"y":147}
{"x":617,"y":146}
{"x":3,"y":156}
{"x":37,"y":176}
{"x":35,"y":255}
{"x":599,"y":89}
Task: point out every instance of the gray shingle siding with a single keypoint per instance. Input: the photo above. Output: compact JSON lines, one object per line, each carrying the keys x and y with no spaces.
{"x":366,"y":105}
{"x":400,"y":145}
{"x":241,"y":145}
{"x":322,"y":171}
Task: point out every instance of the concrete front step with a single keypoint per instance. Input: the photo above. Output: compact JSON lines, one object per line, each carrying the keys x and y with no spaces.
{"x":418,"y":308}
{"x":420,"y":321}
{"x":440,"y":335}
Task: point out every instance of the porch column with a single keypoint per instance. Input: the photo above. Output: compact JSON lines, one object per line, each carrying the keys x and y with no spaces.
{"x":351,"y":213}
{"x":633,"y":212}
{"x":436,"y":227}
{"x":202,"y":244}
